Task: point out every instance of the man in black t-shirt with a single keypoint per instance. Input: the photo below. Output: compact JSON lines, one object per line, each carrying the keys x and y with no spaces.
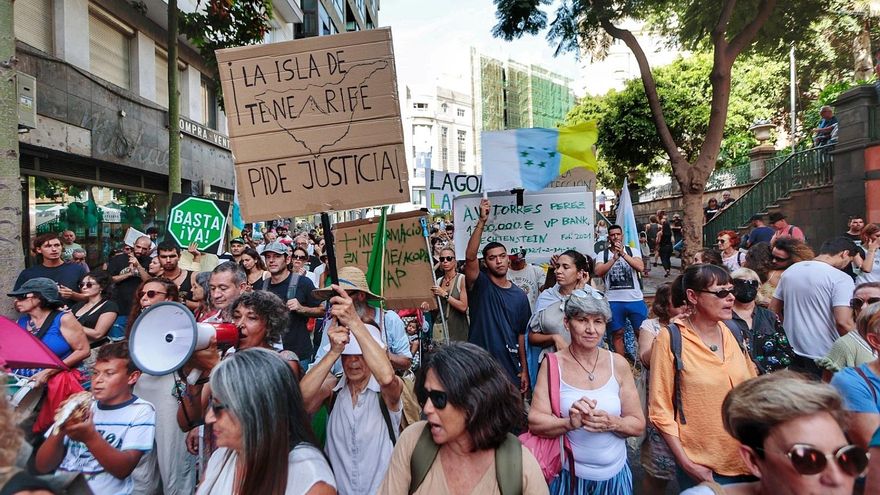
{"x":128,"y":271}
{"x":48,"y":248}
{"x":297,"y":294}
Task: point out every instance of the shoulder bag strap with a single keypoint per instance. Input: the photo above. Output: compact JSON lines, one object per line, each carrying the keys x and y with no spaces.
{"x":292,"y":286}
{"x":675,"y":347}
{"x":867,"y":380}
{"x":47,"y":324}
{"x":421,"y":459}
{"x":508,"y":466}
{"x":387,"y":417}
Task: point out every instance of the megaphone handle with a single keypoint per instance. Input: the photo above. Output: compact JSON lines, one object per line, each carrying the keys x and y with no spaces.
{"x":193,"y":376}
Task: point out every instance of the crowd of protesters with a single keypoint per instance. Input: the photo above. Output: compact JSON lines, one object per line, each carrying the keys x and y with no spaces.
{"x":755,"y":369}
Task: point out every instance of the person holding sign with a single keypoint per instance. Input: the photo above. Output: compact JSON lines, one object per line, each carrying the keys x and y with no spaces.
{"x":622,"y":286}
{"x":499,"y":310}
{"x":453,"y":298}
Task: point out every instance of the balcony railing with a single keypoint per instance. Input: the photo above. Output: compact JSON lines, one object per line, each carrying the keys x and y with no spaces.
{"x":801,"y":170}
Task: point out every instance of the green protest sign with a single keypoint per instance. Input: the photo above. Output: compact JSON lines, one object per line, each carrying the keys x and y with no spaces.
{"x":198,"y":220}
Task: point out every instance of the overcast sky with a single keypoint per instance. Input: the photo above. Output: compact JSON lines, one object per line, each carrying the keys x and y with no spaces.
{"x":432,"y":40}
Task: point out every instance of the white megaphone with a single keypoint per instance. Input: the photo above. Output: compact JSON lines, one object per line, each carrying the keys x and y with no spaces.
{"x":166,"y":335}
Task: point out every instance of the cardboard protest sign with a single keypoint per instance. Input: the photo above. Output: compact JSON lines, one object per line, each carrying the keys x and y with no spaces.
{"x":314,"y":124}
{"x":549,"y":222}
{"x":443,"y":187}
{"x":408,"y":266}
{"x":577,"y":177}
{"x":198,"y":220}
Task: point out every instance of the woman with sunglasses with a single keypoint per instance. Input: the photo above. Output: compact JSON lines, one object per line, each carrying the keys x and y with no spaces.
{"x":547,"y":332}
{"x":453,"y":301}
{"x":860,"y":385}
{"x":761,"y":329}
{"x":266,"y":445}
{"x":685,"y":405}
{"x":599,"y":403}
{"x":169,"y":461}
{"x":39,"y":303}
{"x":299,"y":263}
{"x":97,"y":313}
{"x":728,"y":244}
{"x":255,"y":268}
{"x":469,"y":406}
{"x":791,"y":436}
{"x":784,"y":253}
{"x":853,"y":349}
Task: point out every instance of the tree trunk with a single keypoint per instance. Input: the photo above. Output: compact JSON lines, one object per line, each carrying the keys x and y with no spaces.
{"x":174,"y":185}
{"x":11,"y":256}
{"x":692,"y":229}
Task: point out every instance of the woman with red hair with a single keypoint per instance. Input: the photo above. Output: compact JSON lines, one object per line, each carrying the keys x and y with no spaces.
{"x":728,"y":244}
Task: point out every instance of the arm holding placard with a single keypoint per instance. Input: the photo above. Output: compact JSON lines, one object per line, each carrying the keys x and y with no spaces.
{"x":472,"y":264}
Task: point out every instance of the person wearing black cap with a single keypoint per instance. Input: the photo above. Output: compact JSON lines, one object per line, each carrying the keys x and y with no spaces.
{"x":783,"y":228}
{"x":760,"y":232}
{"x":40,"y":304}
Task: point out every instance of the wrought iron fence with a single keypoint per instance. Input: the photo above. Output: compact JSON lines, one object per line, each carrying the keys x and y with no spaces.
{"x":804,"y":169}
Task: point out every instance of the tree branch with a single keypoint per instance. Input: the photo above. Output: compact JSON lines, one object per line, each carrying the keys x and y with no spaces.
{"x":720,"y":29}
{"x":744,"y":38}
{"x":650,"y":87}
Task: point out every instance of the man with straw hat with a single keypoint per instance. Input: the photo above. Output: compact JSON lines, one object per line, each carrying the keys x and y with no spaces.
{"x":365,"y":403}
{"x":353,"y":281}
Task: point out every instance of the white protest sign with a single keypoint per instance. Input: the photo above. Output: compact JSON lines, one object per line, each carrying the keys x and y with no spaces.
{"x":549,"y":222}
{"x":444,"y":187}
{"x":132,"y":235}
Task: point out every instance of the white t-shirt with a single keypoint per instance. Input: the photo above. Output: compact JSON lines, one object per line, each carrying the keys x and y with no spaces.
{"x":622,"y":281}
{"x":529,"y":279}
{"x":651,"y":326}
{"x":127,"y":426}
{"x":734,"y":262}
{"x":809,"y":291}
{"x":306,"y":467}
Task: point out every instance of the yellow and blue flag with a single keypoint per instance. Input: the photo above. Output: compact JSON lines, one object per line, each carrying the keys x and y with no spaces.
{"x":532,"y":158}
{"x":626,"y":218}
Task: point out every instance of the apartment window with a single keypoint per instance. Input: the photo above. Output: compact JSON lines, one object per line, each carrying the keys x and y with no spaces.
{"x":338,"y":4}
{"x":418,"y":196}
{"x":209,"y":104}
{"x":460,"y":112}
{"x":420,"y":106}
{"x":33,"y":23}
{"x":462,"y":152}
{"x":444,"y":147}
{"x":109,"y":48}
{"x":162,"y":78}
{"x":324,"y":18}
{"x":444,"y":108}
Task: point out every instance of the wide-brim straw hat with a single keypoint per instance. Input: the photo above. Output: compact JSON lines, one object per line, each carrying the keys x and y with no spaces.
{"x":351,"y":278}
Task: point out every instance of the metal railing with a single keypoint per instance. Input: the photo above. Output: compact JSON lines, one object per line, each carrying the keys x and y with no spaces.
{"x":801,"y":170}
{"x":722,"y":178}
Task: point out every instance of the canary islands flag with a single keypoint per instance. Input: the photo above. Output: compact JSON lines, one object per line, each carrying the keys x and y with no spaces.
{"x":533,"y":158}
{"x":626,"y":218}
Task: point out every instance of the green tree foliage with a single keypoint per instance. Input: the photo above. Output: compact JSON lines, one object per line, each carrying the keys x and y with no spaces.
{"x":628,"y":138}
{"x":225,"y":24}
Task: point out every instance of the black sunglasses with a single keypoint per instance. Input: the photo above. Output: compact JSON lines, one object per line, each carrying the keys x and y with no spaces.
{"x":857,"y":304}
{"x":21,"y":297}
{"x":721,"y":294}
{"x":150,"y":294}
{"x":447,"y":258}
{"x":809,"y":460}
{"x":753,"y":283}
{"x":300,"y":257}
{"x":438,"y":398}
{"x":87,"y":285}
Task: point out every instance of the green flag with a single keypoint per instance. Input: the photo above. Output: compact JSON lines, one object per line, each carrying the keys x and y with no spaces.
{"x":376,"y":266}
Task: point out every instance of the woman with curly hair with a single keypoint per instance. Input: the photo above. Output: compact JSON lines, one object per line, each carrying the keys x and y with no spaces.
{"x":786,"y":252}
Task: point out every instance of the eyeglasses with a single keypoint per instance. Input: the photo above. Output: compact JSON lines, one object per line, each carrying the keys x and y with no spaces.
{"x":857,"y":304}
{"x":593,"y":293}
{"x":217,"y":407}
{"x":721,"y":241}
{"x":438,"y":398}
{"x":447,"y":258}
{"x":150,"y":294}
{"x":721,"y":294}
{"x":778,"y":259}
{"x":300,"y":257}
{"x":87,"y":285}
{"x":809,"y":460}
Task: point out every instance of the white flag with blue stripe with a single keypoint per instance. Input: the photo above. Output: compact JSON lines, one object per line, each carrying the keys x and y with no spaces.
{"x":626,"y":218}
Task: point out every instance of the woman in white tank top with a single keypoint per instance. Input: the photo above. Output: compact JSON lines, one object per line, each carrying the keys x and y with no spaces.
{"x":599,"y":404}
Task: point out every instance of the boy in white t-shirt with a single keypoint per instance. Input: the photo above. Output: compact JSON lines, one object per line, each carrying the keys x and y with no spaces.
{"x":108,"y":443}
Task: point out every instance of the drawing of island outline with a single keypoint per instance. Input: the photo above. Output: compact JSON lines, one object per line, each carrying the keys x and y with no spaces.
{"x":260,"y":97}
